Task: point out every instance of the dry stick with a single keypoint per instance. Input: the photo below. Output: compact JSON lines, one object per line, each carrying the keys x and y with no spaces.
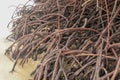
{"x":88,"y":72}
{"x":112,"y":36}
{"x":101,"y":17}
{"x":76,"y":60}
{"x":97,"y":5}
{"x":106,"y":72}
{"x":49,"y":49}
{"x":56,"y":65}
{"x":115,"y":54}
{"x":115,"y":45}
{"x":84,"y":66}
{"x":64,"y":74}
{"x":53,"y":14}
{"x":22,"y":38}
{"x":114,"y":8}
{"x":108,"y":27}
{"x":46,"y":72}
{"x":62,"y":67}
{"x":68,"y":40}
{"x":58,"y":74}
{"x":92,"y":75}
{"x":98,"y":62}
{"x":85,"y":44}
{"x":41,"y":70}
{"x":58,"y":6}
{"x":106,"y":76}
{"x":86,"y":2}
{"x":81,"y":15}
{"x":81,"y":53}
{"x":60,"y":70}
{"x":116,"y":70}
{"x":15,"y":62}
{"x":42,"y":67}
{"x":99,"y":39}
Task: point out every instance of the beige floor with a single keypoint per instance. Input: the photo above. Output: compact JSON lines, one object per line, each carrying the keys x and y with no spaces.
{"x":6,"y":66}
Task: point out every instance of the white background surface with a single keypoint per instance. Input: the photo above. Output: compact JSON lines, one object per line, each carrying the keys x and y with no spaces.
{"x":6,"y":11}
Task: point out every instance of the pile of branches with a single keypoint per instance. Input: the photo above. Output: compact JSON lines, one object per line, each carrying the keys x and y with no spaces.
{"x":80,"y":39}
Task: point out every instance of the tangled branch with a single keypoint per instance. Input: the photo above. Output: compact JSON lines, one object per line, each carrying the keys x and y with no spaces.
{"x":80,"y":39}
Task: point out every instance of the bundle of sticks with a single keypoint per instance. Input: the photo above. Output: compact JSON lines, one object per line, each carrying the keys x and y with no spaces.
{"x":80,"y":39}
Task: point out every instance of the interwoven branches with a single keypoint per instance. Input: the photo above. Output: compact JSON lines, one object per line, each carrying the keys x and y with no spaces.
{"x":80,"y":39}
